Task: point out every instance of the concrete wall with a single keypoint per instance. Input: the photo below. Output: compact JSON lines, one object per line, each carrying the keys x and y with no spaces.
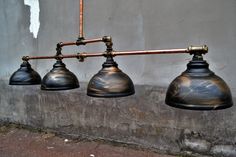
{"x":142,"y":119}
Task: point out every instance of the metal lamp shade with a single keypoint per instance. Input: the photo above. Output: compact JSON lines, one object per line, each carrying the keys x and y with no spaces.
{"x":59,"y":78}
{"x":110,"y":81}
{"x":25,"y":75}
{"x":198,"y":88}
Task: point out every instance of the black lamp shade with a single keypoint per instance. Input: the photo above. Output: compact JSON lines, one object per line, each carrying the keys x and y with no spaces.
{"x":59,"y":78}
{"x":25,"y":75}
{"x":110,"y":81}
{"x":198,"y":88}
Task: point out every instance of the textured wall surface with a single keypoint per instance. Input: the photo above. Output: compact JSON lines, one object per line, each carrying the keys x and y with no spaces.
{"x":142,"y":119}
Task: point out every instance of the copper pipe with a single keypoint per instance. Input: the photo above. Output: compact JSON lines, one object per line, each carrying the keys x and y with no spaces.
{"x":26,"y":58}
{"x":69,"y":56}
{"x":92,"y":40}
{"x":81,"y":18}
{"x":129,"y":53}
{"x":118,"y":53}
{"x":190,"y":50}
{"x":150,"y":52}
{"x":87,"y":41}
{"x":98,"y":54}
{"x":78,"y":42}
{"x":49,"y":57}
{"x":67,"y":44}
{"x":125,"y":53}
{"x":79,"y":55}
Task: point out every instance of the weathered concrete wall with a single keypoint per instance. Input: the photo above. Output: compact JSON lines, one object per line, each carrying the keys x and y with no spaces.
{"x":142,"y":119}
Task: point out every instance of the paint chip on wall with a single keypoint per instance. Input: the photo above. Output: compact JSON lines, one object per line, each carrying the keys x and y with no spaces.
{"x":34,"y":16}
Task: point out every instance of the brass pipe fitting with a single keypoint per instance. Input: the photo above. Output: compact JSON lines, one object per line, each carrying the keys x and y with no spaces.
{"x":25,"y":58}
{"x":108,"y":41}
{"x":198,"y":49}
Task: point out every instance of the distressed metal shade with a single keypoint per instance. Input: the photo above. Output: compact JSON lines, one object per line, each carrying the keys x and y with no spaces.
{"x":198,"y":88}
{"x":110,"y":81}
{"x":59,"y":78}
{"x":25,"y":75}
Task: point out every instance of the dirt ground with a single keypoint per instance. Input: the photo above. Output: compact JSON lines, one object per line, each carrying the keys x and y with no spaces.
{"x":15,"y":142}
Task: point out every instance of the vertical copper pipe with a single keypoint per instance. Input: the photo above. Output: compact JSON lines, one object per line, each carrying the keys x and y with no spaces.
{"x":81,"y":19}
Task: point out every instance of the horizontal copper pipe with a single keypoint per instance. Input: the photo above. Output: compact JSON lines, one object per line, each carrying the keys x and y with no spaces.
{"x":67,"y":44}
{"x":79,"y":55}
{"x":92,"y":40}
{"x":98,"y":54}
{"x":118,"y":53}
{"x":150,"y":52}
{"x":87,"y":41}
{"x":48,"y":57}
{"x":190,"y":50}
{"x":144,"y":52}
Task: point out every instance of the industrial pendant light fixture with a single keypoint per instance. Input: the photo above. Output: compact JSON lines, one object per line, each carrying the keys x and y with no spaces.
{"x":110,"y":82}
{"x":59,"y":78}
{"x":197,"y":88}
{"x":25,"y":75}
